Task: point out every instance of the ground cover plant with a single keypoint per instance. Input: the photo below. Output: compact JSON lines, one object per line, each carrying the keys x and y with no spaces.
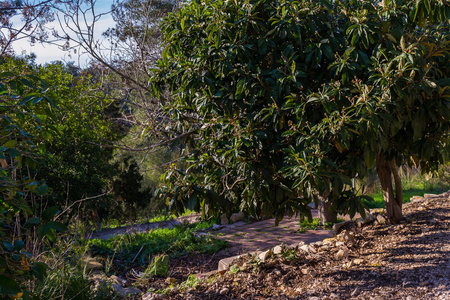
{"x":137,"y":249}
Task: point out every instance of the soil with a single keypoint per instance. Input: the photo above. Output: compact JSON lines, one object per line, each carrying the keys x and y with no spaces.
{"x":409,"y":260}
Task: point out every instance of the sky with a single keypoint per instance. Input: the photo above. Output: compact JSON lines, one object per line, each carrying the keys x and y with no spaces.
{"x":47,"y":53}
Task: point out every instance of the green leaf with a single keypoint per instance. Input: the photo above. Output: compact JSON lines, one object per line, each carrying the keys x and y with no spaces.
{"x":49,"y":213}
{"x":19,"y":245}
{"x":56,"y":226}
{"x":32,"y":222}
{"x":8,"y":246}
{"x":369,"y":157}
{"x":10,"y":143}
{"x":40,"y":270}
{"x":8,"y":286}
{"x":192,"y":202}
{"x":41,"y":189}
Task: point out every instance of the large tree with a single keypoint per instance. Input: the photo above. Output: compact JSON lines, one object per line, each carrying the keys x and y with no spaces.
{"x":282,"y":100}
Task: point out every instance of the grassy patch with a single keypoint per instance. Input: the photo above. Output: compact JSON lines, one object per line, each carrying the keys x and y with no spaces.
{"x":138,"y":247}
{"x":159,"y":217}
{"x":418,"y":185}
{"x":305,"y":225}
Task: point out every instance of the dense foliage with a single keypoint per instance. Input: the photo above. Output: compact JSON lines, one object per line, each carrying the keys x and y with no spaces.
{"x":282,"y":101}
{"x":26,"y":102}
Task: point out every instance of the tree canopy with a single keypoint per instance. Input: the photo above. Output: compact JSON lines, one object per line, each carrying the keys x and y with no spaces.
{"x":279,"y":101}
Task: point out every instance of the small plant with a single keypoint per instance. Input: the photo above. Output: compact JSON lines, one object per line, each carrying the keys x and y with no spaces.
{"x":255,"y":262}
{"x":234,"y":269}
{"x":191,"y":283}
{"x":159,"y":266}
{"x":289,"y":254}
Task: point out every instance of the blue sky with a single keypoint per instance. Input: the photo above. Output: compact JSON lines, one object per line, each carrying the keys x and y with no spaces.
{"x":47,"y":53}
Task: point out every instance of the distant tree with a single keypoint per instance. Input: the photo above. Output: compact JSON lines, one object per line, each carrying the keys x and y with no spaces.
{"x":282,"y":101}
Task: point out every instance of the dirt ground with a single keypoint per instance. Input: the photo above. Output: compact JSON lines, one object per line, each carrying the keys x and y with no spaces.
{"x":410,"y":260}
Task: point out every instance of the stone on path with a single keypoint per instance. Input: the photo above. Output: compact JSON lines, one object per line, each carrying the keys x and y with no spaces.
{"x":277,"y":249}
{"x":237,"y":217}
{"x":338,"y":226}
{"x":265,"y":255}
{"x":224,"y":219}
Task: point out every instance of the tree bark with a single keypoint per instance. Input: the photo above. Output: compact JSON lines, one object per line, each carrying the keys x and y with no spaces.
{"x":96,"y":217}
{"x":393,"y":207}
{"x":326,"y":215}
{"x":398,"y":183}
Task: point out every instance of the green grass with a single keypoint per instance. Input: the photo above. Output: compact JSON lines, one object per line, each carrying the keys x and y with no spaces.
{"x":305,"y":225}
{"x":418,"y":185}
{"x":176,"y":241}
{"x":158,"y":217}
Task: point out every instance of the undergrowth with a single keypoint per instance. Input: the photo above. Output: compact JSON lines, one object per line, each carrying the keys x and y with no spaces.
{"x":138,"y":247}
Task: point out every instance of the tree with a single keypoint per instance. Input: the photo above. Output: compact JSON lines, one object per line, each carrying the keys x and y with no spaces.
{"x":26,"y":103}
{"x":34,"y":15}
{"x":283,"y":100}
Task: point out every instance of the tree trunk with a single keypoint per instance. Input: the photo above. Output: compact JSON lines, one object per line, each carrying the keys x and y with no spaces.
{"x":393,"y":208}
{"x":96,"y":217}
{"x":326,"y":215}
{"x":398,"y":183}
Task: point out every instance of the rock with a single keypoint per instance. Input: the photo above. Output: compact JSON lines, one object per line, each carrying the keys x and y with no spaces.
{"x":377,"y":211}
{"x":170,"y":280}
{"x":364,"y":221}
{"x":237,"y":217}
{"x":358,"y":261}
{"x":317,"y":244}
{"x":277,"y":249}
{"x":118,"y":280}
{"x":338,"y":226}
{"x":329,"y":240}
{"x":342,"y":253}
{"x":345,"y":236}
{"x":224,"y":291}
{"x":381,"y":220}
{"x":91,"y":264}
{"x":276,"y":272}
{"x":125,"y":292}
{"x":152,"y":296}
{"x":416,"y":199}
{"x":340,"y":244}
{"x":430,"y":196}
{"x":265,"y":255}
{"x":224,"y":219}
{"x":305,"y":271}
{"x":308,"y":248}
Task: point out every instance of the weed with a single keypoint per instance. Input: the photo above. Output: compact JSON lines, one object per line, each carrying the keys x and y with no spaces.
{"x":289,"y":254}
{"x":234,"y":269}
{"x":67,"y":278}
{"x":191,"y":283}
{"x":255,"y":262}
